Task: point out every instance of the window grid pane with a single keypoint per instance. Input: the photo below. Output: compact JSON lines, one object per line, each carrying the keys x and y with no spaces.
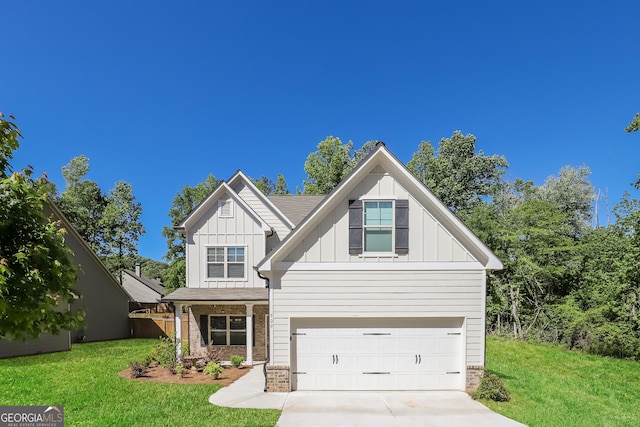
{"x":215,"y":254}
{"x":378,"y":226}
{"x":235,"y":271}
{"x":226,"y":263}
{"x":215,"y":270}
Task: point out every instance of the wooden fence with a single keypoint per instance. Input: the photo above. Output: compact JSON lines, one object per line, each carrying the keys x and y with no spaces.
{"x":155,"y":327}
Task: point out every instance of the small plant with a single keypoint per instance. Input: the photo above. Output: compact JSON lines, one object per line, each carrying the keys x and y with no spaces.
{"x":148,"y":359}
{"x":137,"y":369}
{"x":492,"y":388}
{"x":213,"y":370}
{"x":180,"y":370}
{"x":186,"y":362}
{"x":185,"y":348}
{"x":237,"y":360}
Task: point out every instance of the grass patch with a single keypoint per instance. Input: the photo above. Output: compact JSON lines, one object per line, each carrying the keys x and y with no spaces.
{"x":85,"y":381}
{"x":551,"y":386}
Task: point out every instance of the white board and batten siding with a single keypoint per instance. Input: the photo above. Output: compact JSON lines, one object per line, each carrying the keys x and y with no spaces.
{"x":212,"y":229}
{"x":429,"y":241}
{"x":280,"y":228}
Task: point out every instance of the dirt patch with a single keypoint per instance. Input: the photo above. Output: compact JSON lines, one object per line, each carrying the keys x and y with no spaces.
{"x":162,"y":375}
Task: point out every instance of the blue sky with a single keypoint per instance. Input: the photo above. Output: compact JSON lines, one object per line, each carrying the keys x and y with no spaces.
{"x":161,"y":93}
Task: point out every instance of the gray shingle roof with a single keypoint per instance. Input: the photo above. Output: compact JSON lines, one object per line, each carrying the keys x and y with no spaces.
{"x":212,"y":294}
{"x":152,"y":284}
{"x":296,"y":206}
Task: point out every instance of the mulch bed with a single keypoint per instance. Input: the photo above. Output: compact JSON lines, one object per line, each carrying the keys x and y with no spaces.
{"x":162,"y":375}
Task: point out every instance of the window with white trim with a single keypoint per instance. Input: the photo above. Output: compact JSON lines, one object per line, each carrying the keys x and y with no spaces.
{"x":226,"y":262}
{"x":378,"y":226}
{"x":228,"y":329}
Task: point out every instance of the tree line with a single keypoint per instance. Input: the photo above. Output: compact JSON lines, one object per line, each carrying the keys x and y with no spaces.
{"x":565,"y":279}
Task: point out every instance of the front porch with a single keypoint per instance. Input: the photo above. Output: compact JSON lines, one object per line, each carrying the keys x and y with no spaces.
{"x":233,"y":321}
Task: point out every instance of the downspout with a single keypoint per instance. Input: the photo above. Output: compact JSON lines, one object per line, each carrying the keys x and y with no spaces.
{"x":270,"y":306}
{"x":264,"y":367}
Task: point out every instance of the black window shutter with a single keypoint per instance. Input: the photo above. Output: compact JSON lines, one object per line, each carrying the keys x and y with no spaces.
{"x":204,"y":330}
{"x":355,"y":227}
{"x":402,"y":227}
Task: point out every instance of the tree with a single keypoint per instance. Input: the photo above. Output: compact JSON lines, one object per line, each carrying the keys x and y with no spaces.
{"x":122,"y":226}
{"x":281,"y":186}
{"x":363,"y":152}
{"x":183,"y":204}
{"x":458,"y":176}
{"x":327,"y":166}
{"x":573,"y":193}
{"x":268,"y":187}
{"x":634,"y":126}
{"x":264,"y":184}
{"x":36,"y":274}
{"x":83,"y":203}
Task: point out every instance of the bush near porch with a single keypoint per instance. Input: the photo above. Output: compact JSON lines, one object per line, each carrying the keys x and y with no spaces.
{"x":85,"y":381}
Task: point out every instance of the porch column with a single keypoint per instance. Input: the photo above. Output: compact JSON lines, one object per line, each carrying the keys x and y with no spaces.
{"x":249,"y":334}
{"x":178,"y":326}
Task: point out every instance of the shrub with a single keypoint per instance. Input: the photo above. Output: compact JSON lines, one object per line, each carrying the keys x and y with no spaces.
{"x":137,"y":369}
{"x":237,"y":360}
{"x":164,"y":352}
{"x":213,"y":370}
{"x":492,"y":388}
{"x":186,"y":362}
{"x":148,"y":359}
{"x":212,"y":354}
{"x":180,"y":369}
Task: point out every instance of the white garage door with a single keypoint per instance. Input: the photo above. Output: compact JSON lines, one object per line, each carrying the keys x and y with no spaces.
{"x":378,"y":354}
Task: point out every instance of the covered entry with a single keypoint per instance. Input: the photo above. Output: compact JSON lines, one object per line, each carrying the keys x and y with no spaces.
{"x":378,"y":354}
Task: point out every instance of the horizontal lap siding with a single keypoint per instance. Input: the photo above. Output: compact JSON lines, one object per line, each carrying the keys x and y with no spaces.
{"x":380,"y":294}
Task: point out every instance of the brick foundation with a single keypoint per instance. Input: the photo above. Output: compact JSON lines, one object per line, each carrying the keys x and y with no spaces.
{"x":474,"y":374}
{"x":278,"y":378}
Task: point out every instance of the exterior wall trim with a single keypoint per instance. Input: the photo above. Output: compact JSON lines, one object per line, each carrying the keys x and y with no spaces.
{"x":371,"y":266}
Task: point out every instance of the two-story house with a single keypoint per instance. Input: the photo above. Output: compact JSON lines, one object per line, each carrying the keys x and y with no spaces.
{"x":375,"y":286}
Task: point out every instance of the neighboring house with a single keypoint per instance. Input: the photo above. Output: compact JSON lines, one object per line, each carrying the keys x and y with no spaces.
{"x":379,"y":287}
{"x":145,"y":293}
{"x":105,"y":302}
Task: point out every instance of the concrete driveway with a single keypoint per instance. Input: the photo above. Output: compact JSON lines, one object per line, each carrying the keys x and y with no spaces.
{"x":439,"y":408}
{"x":360,"y":408}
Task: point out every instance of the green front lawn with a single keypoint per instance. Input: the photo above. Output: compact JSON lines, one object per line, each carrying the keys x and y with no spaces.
{"x":85,"y":381}
{"x":551,"y":386}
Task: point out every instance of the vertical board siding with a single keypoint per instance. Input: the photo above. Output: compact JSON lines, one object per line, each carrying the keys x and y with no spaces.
{"x":428,"y":240}
{"x":242,"y":229}
{"x":248,"y":195}
{"x":391,"y":294}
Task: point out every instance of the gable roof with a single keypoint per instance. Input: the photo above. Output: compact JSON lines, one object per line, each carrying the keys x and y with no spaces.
{"x":154,"y":285}
{"x":297,"y":206}
{"x":213,"y":197}
{"x":380,"y":155}
{"x":73,"y":232}
{"x":240,"y":176}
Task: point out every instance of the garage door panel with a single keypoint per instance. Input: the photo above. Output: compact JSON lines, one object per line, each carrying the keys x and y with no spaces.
{"x":377,"y":358}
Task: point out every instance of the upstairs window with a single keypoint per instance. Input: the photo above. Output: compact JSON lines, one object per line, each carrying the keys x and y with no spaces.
{"x":226,"y":262}
{"x":378,"y":226}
